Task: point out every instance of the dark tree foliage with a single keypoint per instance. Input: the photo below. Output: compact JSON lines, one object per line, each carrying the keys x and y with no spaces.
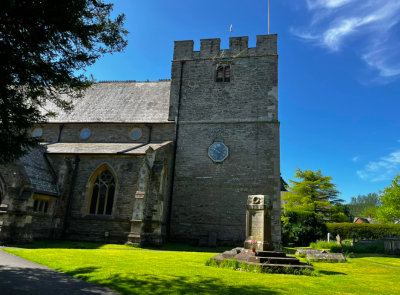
{"x":283,"y":185}
{"x":43,"y":44}
{"x":300,"y":228}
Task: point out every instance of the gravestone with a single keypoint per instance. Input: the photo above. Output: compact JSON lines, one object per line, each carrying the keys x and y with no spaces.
{"x":307,"y":251}
{"x":258,"y":222}
{"x":326,"y":257}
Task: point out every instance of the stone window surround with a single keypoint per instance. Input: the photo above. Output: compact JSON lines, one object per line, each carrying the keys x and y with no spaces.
{"x":34,"y":130}
{"x":89,"y":190}
{"x":2,"y":188}
{"x":80,"y":130}
{"x":129,"y":133}
{"x":41,"y":199}
{"x":224,"y":65}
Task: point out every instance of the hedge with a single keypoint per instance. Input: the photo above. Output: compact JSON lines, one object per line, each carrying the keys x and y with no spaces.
{"x":368,"y":231}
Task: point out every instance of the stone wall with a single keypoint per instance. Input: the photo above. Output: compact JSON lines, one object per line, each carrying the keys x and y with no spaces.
{"x":107,"y":132}
{"x":211,"y":197}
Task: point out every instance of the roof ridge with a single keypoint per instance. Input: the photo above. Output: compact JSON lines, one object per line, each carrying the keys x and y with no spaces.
{"x":134,"y":81}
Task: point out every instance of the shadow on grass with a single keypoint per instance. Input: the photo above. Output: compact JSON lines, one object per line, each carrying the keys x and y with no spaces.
{"x":43,"y":281}
{"x":129,"y":283}
{"x":331,"y":273}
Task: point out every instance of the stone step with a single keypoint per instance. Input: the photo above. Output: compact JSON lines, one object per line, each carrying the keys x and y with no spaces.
{"x":295,"y":266}
{"x":270,"y":254}
{"x":274,"y":260}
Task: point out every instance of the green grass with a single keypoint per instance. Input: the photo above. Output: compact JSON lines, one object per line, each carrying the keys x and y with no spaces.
{"x":359,"y":248}
{"x":171,"y":272}
{"x":51,"y":244}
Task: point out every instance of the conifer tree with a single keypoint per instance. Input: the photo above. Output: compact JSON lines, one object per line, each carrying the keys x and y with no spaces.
{"x":313,"y":192}
{"x":44,"y":47}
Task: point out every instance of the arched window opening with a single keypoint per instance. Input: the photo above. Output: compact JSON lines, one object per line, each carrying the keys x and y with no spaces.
{"x":46,"y":206}
{"x":35,"y":205}
{"x":41,"y":206}
{"x":103,"y":191}
{"x":2,"y":188}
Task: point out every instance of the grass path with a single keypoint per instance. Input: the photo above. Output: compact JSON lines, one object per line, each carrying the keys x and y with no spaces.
{"x":156,"y":272}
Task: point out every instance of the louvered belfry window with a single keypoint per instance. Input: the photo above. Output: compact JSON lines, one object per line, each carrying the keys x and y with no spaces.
{"x":220,"y":74}
{"x":223,"y":74}
{"x":103,"y":191}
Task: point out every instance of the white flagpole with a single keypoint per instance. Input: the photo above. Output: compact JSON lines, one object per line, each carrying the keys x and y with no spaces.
{"x":269,"y":19}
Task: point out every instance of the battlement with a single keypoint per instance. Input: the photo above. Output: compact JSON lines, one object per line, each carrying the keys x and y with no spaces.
{"x":210,"y":48}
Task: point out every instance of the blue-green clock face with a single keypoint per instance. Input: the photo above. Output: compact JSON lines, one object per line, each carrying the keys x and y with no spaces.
{"x":218,"y":151}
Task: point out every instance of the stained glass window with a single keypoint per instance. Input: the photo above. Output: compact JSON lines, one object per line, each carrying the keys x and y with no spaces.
{"x":103,"y":190}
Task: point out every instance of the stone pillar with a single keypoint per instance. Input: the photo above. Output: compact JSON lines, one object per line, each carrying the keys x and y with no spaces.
{"x":258,"y":222}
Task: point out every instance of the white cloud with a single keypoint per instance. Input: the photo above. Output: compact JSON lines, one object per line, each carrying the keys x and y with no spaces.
{"x":369,"y":24}
{"x":355,"y":159}
{"x":383,"y":169}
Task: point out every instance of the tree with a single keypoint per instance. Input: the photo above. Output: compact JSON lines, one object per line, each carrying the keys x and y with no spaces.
{"x":389,"y":212}
{"x":363,"y":205}
{"x":315,"y":192}
{"x":43,"y":45}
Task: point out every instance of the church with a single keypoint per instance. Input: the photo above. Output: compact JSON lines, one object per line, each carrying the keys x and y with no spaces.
{"x":146,"y":162}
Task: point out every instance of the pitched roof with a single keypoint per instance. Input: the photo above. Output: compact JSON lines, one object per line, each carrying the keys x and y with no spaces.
{"x":103,"y":148}
{"x":119,"y":102}
{"x":42,"y":181}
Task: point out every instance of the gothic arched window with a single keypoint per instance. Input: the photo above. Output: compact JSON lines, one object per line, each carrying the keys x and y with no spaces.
{"x":102,"y":193}
{"x":2,"y":188}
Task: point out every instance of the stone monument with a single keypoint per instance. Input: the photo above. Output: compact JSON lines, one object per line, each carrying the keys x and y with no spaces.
{"x":258,"y":230}
{"x":258,"y":222}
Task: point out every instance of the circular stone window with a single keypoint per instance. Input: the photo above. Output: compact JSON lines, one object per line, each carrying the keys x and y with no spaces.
{"x":135,"y":134}
{"x":85,"y":133}
{"x":38,"y":132}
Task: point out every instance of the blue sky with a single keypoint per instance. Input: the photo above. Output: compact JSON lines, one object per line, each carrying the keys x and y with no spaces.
{"x":339,"y":74}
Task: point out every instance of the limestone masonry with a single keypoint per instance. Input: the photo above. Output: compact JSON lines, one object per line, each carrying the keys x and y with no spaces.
{"x":142,"y":162}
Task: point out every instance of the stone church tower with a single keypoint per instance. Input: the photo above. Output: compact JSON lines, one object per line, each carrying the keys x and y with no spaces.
{"x":225,"y":103}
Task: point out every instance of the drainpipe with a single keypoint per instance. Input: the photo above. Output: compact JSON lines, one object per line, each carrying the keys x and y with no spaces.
{"x":71,"y":193}
{"x":136,"y":147}
{"x":59,"y":135}
{"x":175,"y":149}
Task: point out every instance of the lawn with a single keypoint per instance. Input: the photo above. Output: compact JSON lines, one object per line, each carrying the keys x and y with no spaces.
{"x":173,"y":272}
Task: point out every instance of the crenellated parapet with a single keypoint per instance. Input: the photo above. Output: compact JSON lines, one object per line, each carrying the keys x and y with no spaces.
{"x":238,"y":46}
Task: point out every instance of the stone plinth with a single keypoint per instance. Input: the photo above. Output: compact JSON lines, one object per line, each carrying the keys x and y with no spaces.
{"x":258,"y":222}
{"x":326,"y":257}
{"x":265,"y":259}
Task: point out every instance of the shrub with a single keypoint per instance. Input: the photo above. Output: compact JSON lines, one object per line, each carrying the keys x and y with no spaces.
{"x":367,"y":231}
{"x":300,"y":228}
{"x":321,"y":244}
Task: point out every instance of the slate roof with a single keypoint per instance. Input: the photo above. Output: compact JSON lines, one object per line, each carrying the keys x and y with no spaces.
{"x":119,"y":102}
{"x":102,"y":148}
{"x":42,"y":181}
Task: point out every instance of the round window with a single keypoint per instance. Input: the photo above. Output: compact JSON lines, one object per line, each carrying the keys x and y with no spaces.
{"x":85,"y":133}
{"x":37,"y":132}
{"x":135,"y":133}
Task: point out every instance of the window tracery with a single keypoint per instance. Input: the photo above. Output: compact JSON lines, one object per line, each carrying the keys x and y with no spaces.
{"x":40,"y":206}
{"x":223,"y":74}
{"x":102,"y":193}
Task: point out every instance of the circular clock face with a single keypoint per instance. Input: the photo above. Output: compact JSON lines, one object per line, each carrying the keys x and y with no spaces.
{"x":218,"y":151}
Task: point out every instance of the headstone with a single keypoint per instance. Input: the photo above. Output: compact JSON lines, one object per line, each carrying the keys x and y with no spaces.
{"x":258,"y":222}
{"x":329,"y":235}
{"x":339,"y":241}
{"x":326,"y":257}
{"x":307,"y":251}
